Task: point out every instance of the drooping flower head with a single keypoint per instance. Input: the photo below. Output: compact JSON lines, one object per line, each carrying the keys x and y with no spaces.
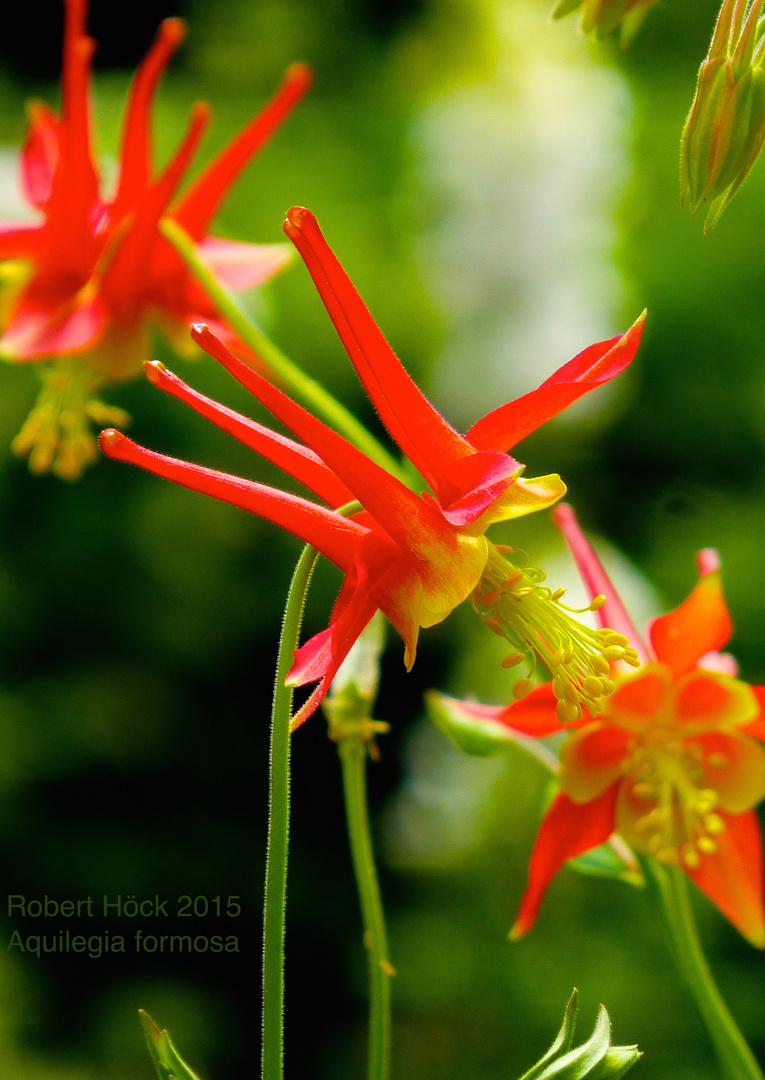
{"x":413,"y":556}
{"x":672,"y":763}
{"x":600,"y":17}
{"x":94,"y":276}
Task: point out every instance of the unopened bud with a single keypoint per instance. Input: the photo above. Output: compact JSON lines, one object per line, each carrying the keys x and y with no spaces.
{"x":726,"y":125}
{"x":600,"y":17}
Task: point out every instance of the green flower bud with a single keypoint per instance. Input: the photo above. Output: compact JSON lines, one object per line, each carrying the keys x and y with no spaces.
{"x":595,"y":1059}
{"x":473,"y":730}
{"x":726,"y":125}
{"x":600,"y":17}
{"x":348,"y":705}
{"x":169,"y":1064}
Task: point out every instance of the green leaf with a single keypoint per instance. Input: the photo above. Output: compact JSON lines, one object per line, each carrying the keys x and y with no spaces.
{"x":169,"y":1064}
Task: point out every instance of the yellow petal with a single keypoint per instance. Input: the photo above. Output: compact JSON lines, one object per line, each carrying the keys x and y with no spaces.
{"x":712,"y":699}
{"x":734,"y":766}
{"x":592,"y":759}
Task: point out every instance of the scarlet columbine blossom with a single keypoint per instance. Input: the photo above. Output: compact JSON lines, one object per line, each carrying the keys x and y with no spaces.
{"x":672,"y":763}
{"x":413,"y":556}
{"x":94,"y":276}
{"x":602,"y":16}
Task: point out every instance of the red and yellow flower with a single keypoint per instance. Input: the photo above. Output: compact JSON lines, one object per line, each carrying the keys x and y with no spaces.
{"x":673,"y":763}
{"x":413,"y":556}
{"x":95,"y":276}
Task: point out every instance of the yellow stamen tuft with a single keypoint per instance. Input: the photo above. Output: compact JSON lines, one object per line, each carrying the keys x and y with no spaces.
{"x":56,"y":436}
{"x":513,"y":601}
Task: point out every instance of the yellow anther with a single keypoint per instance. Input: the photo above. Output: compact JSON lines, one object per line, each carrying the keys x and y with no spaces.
{"x":717,"y":760}
{"x":557,"y":595}
{"x":714,"y":824}
{"x":667,"y":855}
{"x":513,"y":660}
{"x":597,"y":602}
{"x":593,"y":686}
{"x":602,"y":666}
{"x":557,"y":658}
{"x":608,"y":686}
{"x":706,"y":844}
{"x":692,"y":859}
{"x":521,"y":688}
{"x":612,"y":638}
{"x":568,"y":655}
{"x":567,"y":712}
{"x":644,"y":790}
{"x":654,"y":844}
{"x":705,"y":800}
{"x":614,"y":652}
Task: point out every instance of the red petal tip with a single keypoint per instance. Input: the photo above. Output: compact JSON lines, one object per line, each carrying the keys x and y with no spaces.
{"x":172,"y":31}
{"x":562,"y":514}
{"x":299,"y":74}
{"x":295,"y":218}
{"x":201,"y":111}
{"x":708,"y":561}
{"x":154,"y":370}
{"x":203,"y":336}
{"x":113,"y":442}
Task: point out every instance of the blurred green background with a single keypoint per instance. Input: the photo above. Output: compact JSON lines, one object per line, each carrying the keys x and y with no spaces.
{"x":504,"y":192}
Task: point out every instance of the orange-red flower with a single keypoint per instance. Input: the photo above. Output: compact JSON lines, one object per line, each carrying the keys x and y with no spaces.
{"x":413,"y":556}
{"x":94,"y":276}
{"x":672,"y":763}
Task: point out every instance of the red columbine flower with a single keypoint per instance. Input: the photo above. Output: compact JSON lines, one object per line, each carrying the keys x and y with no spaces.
{"x":95,"y":275}
{"x":671,"y":763}
{"x":413,"y":556}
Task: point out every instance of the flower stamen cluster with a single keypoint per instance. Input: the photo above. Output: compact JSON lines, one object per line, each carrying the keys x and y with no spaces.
{"x":514,"y":602}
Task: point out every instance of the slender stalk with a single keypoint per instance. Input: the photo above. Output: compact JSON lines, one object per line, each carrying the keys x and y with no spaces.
{"x":735,"y":1057}
{"x":353,"y":756}
{"x":305,"y":389}
{"x":275,"y":897}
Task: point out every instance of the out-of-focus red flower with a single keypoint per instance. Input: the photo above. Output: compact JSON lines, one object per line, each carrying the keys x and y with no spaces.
{"x":94,"y":276}
{"x":415,"y":557}
{"x":672,"y":763}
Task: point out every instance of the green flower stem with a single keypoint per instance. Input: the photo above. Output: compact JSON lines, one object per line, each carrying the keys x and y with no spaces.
{"x":305,"y":389}
{"x":736,"y":1059}
{"x":353,"y":753}
{"x":278,"y":826}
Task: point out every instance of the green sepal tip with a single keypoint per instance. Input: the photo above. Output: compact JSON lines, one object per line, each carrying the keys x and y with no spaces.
{"x":168,"y":1062}
{"x":595,"y":1059}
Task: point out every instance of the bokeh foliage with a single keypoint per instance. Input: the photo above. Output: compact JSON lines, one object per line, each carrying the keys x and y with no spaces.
{"x":504,"y":192}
